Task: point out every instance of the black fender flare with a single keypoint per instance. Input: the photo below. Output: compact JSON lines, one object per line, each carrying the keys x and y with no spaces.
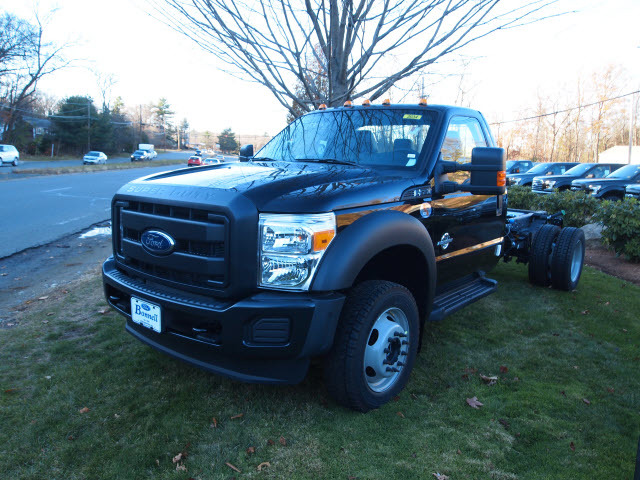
{"x":369,"y":235}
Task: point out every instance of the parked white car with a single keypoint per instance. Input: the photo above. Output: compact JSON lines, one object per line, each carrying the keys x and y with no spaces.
{"x":9,"y":154}
{"x":94,"y":158}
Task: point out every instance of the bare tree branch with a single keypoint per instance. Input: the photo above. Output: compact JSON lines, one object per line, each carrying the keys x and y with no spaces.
{"x":362,"y":47}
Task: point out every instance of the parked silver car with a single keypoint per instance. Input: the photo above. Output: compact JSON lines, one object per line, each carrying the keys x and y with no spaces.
{"x":9,"y":154}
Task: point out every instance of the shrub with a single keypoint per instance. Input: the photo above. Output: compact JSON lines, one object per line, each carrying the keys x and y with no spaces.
{"x":621,"y":222}
{"x":579,"y":207}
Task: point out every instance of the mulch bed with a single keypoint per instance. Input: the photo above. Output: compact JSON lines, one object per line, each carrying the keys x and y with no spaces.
{"x":606,"y":261}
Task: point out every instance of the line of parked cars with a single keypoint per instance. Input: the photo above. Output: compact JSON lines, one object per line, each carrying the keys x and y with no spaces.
{"x":607,"y":181}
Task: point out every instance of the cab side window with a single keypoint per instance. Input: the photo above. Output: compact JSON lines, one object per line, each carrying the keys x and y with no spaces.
{"x":463,"y":135}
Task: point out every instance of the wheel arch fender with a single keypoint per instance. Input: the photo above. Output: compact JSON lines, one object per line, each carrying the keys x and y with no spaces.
{"x":358,"y":243}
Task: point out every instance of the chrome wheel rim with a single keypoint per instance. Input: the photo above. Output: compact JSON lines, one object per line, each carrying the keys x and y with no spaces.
{"x":576,"y":261}
{"x":387,"y":349}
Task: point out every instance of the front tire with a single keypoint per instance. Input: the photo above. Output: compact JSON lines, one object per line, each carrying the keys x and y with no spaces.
{"x":15,"y":162}
{"x":375,"y":345}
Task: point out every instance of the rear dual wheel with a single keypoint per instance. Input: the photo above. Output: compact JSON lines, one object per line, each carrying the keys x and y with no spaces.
{"x":557,"y":257}
{"x":375,"y":345}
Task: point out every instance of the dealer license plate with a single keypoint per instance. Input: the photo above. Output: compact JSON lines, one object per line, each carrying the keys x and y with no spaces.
{"x":146,"y":314}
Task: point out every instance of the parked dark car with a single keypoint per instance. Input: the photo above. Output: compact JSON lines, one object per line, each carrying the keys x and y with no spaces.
{"x":550,"y":183}
{"x":613,"y":186}
{"x":633,"y":191}
{"x":519,"y":166}
{"x":542,"y":169}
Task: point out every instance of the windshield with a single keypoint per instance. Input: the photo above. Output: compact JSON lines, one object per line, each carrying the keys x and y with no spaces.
{"x":625,"y":173}
{"x":388,"y":137}
{"x":93,"y":154}
{"x":139,"y":152}
{"x":579,"y":169}
{"x":539,"y":168}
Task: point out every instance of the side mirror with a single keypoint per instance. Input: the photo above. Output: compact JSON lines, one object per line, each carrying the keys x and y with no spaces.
{"x":488,"y":175}
{"x":517,"y":170}
{"x":246,"y":152}
{"x":488,"y":170}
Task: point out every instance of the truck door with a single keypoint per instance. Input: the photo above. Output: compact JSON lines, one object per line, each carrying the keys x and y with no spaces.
{"x":465,"y":229}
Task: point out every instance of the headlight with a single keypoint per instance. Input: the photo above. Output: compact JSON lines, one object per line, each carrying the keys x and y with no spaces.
{"x":291,"y":247}
{"x":515,"y":181}
{"x":550,"y":183}
{"x":595,"y":188}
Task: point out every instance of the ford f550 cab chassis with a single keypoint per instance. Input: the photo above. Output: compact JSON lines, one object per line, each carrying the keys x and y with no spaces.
{"x":338,"y":240}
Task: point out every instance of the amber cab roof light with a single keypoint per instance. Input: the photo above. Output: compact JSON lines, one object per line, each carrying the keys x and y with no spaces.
{"x":322,"y":106}
{"x":348,"y":104}
{"x":386,"y":102}
{"x":423,"y":102}
{"x":366,"y":103}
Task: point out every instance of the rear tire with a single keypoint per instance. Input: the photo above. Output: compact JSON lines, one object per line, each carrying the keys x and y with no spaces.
{"x":567,"y":259}
{"x":375,"y":346}
{"x":541,"y":252}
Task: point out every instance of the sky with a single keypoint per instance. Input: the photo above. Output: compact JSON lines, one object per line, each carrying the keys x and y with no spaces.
{"x":148,"y":61}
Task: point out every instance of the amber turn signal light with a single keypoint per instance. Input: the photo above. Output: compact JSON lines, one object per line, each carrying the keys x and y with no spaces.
{"x":423,"y":102}
{"x":321,"y":240}
{"x":502,"y":178}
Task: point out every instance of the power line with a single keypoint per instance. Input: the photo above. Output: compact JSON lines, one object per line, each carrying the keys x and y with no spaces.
{"x":566,"y":110}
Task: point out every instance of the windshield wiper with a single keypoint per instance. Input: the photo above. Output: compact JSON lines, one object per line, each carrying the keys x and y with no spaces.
{"x":326,"y":160}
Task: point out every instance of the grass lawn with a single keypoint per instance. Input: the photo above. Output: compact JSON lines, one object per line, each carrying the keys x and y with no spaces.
{"x":81,"y":399}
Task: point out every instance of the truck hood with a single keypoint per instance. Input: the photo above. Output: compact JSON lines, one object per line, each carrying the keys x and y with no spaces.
{"x":596,"y":181}
{"x":556,"y":177}
{"x":283,"y":187}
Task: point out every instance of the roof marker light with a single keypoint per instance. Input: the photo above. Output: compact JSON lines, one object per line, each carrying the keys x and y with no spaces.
{"x":366,"y":103}
{"x":386,"y":102}
{"x":348,"y":104}
{"x":322,"y":106}
{"x":423,"y":102}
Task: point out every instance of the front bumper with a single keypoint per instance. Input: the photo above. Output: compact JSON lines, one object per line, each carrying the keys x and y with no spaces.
{"x":267,"y":337}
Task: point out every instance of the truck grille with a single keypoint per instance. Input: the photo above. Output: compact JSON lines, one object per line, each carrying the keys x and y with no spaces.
{"x":199,"y":259}
{"x":537,"y":185}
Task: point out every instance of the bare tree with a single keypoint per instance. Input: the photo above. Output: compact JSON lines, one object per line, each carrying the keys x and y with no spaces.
{"x":366,"y":46}
{"x":25,"y":58}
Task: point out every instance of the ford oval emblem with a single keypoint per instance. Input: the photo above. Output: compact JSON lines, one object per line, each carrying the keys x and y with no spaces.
{"x":145,"y":307}
{"x":157,"y":242}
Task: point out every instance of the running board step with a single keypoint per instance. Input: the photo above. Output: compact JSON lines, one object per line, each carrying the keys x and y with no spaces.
{"x":460,"y":296}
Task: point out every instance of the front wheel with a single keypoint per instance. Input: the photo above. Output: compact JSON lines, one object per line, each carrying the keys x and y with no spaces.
{"x":15,"y":162}
{"x":375,"y":345}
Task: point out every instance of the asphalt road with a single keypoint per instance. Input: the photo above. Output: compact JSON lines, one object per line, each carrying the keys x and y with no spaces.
{"x":28,"y":165}
{"x":35,"y":211}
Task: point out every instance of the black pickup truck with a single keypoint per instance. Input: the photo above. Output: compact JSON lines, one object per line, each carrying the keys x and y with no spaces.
{"x":612,"y":187}
{"x":338,"y":240}
{"x":588,"y":171}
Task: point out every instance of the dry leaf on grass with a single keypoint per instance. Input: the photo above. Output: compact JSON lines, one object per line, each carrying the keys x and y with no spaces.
{"x":240,"y":415}
{"x":102,"y":311}
{"x":400,"y":414}
{"x":503,"y":369}
{"x":43,"y":298}
{"x":572,"y":447}
{"x":251,"y":450}
{"x":474,"y":402}
{"x":232,"y":467}
{"x":270,"y":442}
{"x":214,"y":422}
{"x":263,"y":465}
{"x":282,"y":441}
{"x":84,"y":410}
{"x":181,"y":468}
{"x":440,"y":476}
{"x":489,"y":380}
{"x":177,"y":458}
{"x":585,"y":400}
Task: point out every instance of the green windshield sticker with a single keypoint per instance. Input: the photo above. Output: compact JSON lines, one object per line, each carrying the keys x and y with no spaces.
{"x":411,"y":116}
